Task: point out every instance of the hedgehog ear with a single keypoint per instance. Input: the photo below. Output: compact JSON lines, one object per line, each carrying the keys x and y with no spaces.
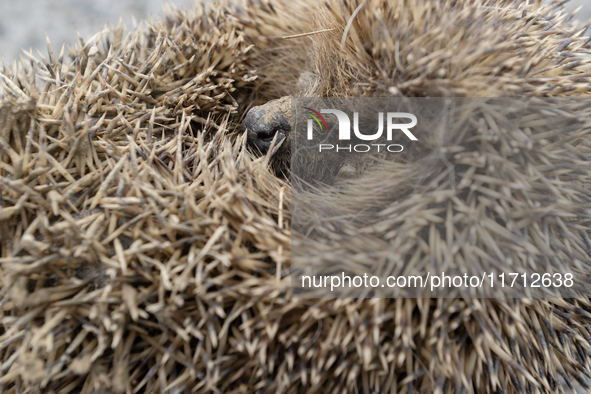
{"x":307,"y":82}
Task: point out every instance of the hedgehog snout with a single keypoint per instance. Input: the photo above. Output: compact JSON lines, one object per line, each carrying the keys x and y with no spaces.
{"x":262,"y":123}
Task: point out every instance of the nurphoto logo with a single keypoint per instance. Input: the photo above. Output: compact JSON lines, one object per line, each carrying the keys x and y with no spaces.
{"x":345,"y":130}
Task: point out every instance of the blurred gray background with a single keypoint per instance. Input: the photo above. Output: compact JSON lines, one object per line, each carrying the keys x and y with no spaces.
{"x":23,"y":23}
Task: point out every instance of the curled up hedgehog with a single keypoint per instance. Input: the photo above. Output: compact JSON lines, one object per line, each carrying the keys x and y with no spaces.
{"x":145,"y":241}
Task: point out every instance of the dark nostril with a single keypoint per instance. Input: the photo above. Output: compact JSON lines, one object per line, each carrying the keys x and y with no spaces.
{"x":266,"y":137}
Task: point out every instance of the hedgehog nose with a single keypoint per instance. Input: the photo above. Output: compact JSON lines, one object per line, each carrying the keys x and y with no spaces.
{"x":262,"y":123}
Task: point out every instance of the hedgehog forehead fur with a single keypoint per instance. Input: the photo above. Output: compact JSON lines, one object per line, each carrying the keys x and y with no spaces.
{"x":144,"y":248}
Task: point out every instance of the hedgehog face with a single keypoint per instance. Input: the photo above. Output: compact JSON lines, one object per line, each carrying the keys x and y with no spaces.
{"x":268,"y":127}
{"x":267,"y":122}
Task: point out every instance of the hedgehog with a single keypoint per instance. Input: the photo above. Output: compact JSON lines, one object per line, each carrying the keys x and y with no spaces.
{"x":146,"y":242}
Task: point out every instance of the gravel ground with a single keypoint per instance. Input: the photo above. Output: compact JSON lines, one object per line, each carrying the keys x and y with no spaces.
{"x":23,"y":23}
